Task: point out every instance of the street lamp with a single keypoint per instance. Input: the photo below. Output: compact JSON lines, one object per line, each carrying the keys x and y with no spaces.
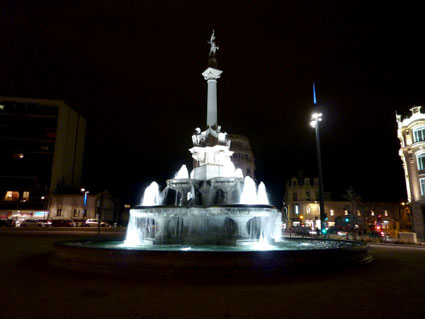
{"x":83,"y":190}
{"x":316,"y":118}
{"x":45,"y":207}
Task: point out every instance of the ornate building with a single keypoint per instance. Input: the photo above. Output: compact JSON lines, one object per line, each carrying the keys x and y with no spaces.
{"x":301,"y":209}
{"x":242,"y":157}
{"x":411,"y":132}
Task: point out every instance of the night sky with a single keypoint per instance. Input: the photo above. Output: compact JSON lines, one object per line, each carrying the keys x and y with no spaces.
{"x":133,"y":69}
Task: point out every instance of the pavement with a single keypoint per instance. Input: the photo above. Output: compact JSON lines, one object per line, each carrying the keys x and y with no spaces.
{"x":392,"y":286}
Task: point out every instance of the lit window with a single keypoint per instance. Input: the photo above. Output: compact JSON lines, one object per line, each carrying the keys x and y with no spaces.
{"x":297,"y":210}
{"x":372,"y":214}
{"x":20,"y":155}
{"x":358,"y":213}
{"x":421,"y":161}
{"x":308,"y":210}
{"x":422,"y":182}
{"x":419,"y":134}
{"x":26,"y":195}
{"x":386,"y":213}
{"x":1,"y":107}
{"x":307,"y":196}
{"x":332,"y":212}
{"x":11,"y":195}
{"x":345,"y":212}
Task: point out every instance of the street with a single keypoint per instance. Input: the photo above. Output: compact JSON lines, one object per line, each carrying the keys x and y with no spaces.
{"x":391,"y":287}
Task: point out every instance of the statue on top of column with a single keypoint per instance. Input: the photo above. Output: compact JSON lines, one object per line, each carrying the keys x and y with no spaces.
{"x":214,"y":47}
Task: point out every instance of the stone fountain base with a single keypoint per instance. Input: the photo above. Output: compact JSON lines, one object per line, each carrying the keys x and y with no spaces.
{"x":203,"y":225}
{"x":111,"y":257}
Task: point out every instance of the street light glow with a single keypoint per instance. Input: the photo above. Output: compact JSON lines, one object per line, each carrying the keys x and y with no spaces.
{"x":315,"y":117}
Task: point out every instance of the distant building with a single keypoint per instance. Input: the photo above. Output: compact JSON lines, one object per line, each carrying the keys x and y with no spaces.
{"x":301,"y":208}
{"x":411,"y":133}
{"x":243,"y":157}
{"x":42,"y":147}
{"x":71,"y":206}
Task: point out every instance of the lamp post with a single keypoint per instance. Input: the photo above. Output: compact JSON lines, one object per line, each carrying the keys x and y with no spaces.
{"x":45,"y":211}
{"x":316,"y":118}
{"x":83,"y":190}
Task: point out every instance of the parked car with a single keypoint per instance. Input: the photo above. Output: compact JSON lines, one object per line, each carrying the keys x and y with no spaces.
{"x":63,"y":223}
{"x":7,"y":223}
{"x":299,"y":230}
{"x":337,"y":231}
{"x":33,"y":223}
{"x":94,"y":223}
{"x":379,"y":234}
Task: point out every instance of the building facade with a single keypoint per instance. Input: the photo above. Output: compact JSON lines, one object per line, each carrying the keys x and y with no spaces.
{"x":243,"y":157}
{"x":301,"y":209}
{"x":411,"y":133}
{"x":42,"y":147}
{"x":74,"y":206}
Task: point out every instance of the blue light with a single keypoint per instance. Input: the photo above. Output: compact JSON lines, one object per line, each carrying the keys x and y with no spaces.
{"x":314,"y":94}
{"x":85,"y":199}
{"x":324,"y":231}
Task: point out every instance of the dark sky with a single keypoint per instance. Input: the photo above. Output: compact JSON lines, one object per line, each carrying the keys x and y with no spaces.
{"x":133,"y":69}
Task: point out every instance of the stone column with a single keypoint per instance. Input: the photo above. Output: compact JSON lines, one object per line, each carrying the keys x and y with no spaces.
{"x":211,"y":75}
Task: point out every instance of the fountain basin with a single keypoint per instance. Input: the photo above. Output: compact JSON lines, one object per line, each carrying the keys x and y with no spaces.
{"x":114,"y":257}
{"x":208,"y":225}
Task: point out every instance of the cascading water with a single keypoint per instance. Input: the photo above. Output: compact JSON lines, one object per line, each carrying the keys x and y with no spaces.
{"x":238,"y":173}
{"x":249,"y":192}
{"x":151,"y":196}
{"x":183,"y":173}
{"x":262,"y":198}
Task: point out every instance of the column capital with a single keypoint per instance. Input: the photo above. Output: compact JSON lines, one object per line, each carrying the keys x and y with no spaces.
{"x":211,"y":74}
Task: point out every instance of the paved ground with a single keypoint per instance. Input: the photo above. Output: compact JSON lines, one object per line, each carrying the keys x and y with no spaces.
{"x":393,"y":286}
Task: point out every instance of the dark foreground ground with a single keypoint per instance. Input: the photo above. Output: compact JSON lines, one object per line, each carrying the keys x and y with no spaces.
{"x":393,"y":286}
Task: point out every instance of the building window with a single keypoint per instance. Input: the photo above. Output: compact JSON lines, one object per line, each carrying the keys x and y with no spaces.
{"x":372,"y":213}
{"x":345,"y":212}
{"x":26,"y":195}
{"x":248,"y":172}
{"x":422,"y":182}
{"x":386,"y":213}
{"x":307,"y":196}
{"x":18,"y":156}
{"x":332,"y":212}
{"x":59,"y":212}
{"x":358,"y":213}
{"x":421,"y":161}
{"x":294,"y":196}
{"x":419,"y":134}
{"x":297,"y":210}
{"x":75,"y":214}
{"x":308,"y":210}
{"x":11,"y":195}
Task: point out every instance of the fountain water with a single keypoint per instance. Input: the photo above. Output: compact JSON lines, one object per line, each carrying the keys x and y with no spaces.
{"x":151,"y":195}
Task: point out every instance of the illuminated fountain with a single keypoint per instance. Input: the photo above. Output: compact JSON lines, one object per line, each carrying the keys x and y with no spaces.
{"x":215,"y":204}
{"x":200,"y":216}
